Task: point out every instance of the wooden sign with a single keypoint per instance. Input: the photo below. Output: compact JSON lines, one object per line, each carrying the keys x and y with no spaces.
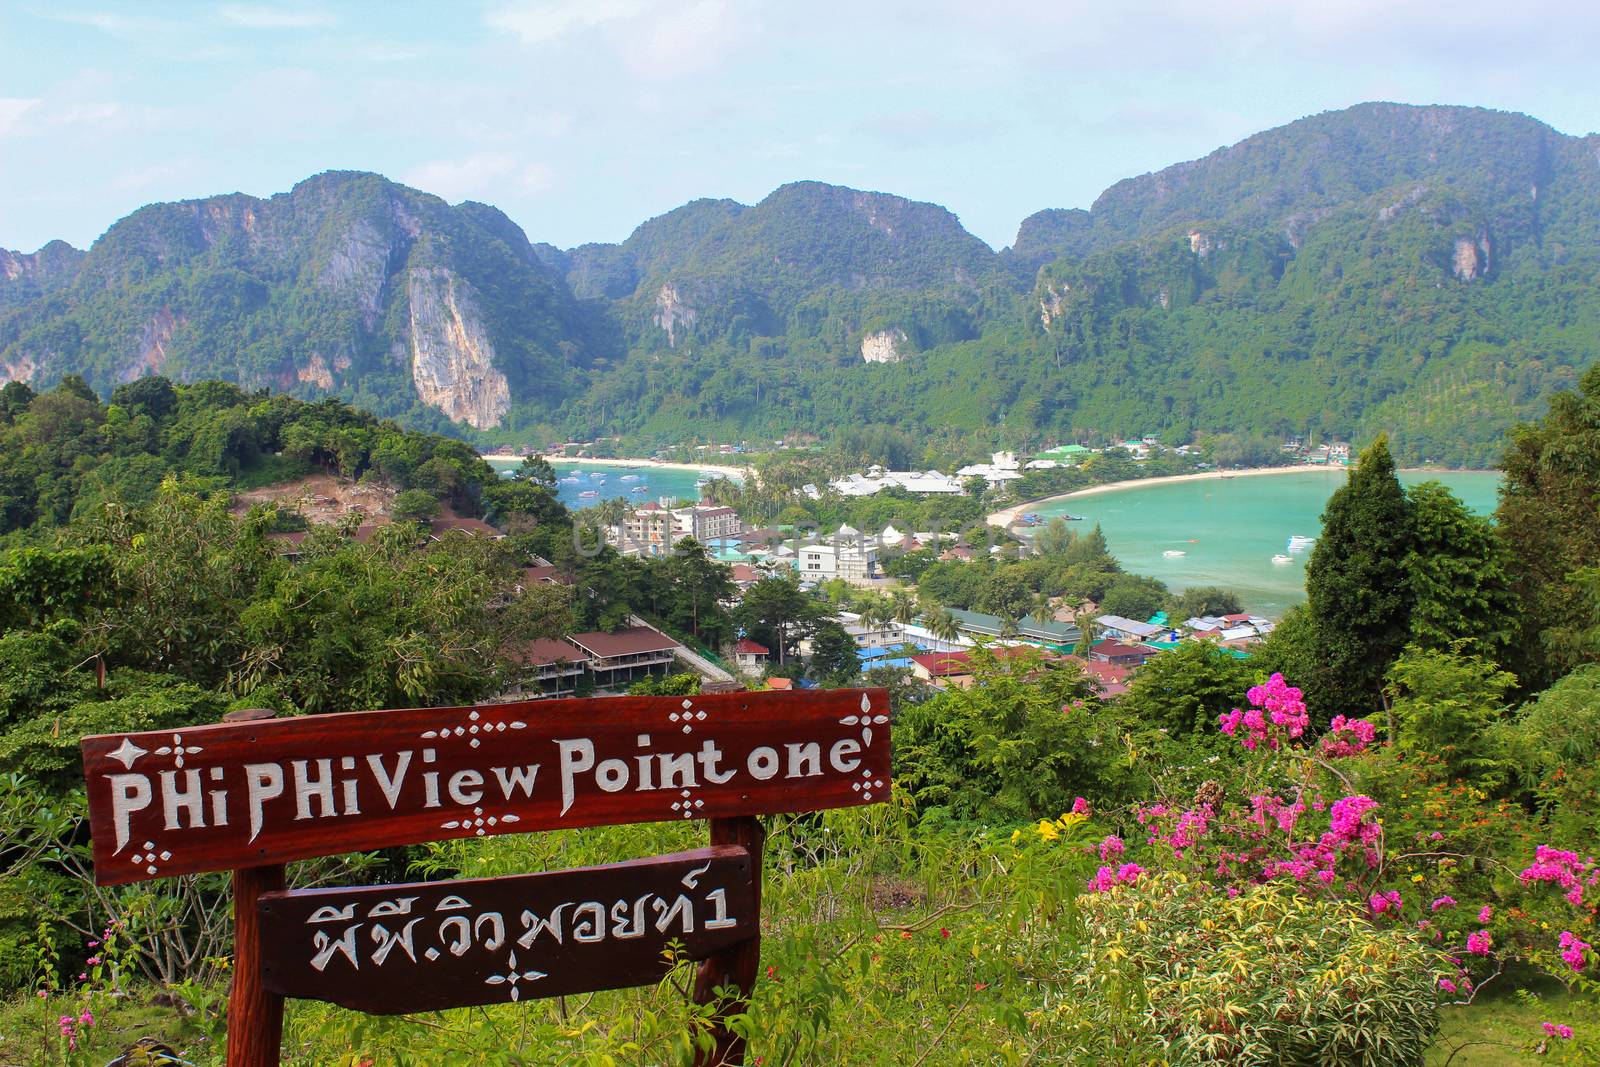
{"x":428,"y":946}
{"x":251,"y":794}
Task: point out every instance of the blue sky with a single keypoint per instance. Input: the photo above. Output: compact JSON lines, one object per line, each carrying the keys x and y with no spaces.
{"x":581,"y":120}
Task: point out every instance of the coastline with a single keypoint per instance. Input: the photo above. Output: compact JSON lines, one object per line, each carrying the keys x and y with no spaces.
{"x":723,"y":469}
{"x":1006,"y":516}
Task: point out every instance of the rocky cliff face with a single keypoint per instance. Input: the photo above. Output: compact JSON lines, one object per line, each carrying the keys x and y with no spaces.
{"x":452,"y":358}
{"x":884,"y":346}
{"x":673,"y":313}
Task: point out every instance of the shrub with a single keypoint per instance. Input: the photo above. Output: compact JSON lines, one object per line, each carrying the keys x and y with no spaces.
{"x":1174,"y":970}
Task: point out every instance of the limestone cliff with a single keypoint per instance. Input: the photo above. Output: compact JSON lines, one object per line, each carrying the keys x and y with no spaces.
{"x":151,"y":348}
{"x":452,"y":358}
{"x":884,"y":346}
{"x":673,"y":313}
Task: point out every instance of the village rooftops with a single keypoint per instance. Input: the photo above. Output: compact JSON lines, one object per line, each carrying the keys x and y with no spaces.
{"x":747,"y":647}
{"x":1028,"y":627}
{"x":1130,"y":627}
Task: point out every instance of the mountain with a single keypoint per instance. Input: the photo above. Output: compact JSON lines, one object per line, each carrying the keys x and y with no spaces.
{"x":1426,"y":270}
{"x":348,"y":283}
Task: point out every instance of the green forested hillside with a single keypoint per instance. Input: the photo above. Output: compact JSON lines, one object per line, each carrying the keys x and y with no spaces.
{"x":1429,"y":271}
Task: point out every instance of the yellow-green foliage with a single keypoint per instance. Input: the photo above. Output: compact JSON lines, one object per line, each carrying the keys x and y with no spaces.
{"x":1175,"y":971}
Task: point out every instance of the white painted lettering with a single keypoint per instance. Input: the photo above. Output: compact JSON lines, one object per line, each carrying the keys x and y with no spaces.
{"x":464,"y":787}
{"x":709,"y":756}
{"x":611,"y":775}
{"x":677,"y":772}
{"x":387,"y":783}
{"x":307,"y":789}
{"x":763,"y":763}
{"x":577,"y":756}
{"x":266,"y":783}
{"x":512,"y":779}
{"x":129,"y":793}
{"x":801,"y":756}
{"x":841,"y":752}
{"x":189,"y":799}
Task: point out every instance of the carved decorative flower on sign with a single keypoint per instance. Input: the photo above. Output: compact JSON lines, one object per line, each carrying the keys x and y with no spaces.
{"x":513,"y":976}
{"x":177,"y":750}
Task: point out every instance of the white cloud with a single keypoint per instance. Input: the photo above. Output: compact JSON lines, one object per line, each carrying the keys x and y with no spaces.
{"x":542,"y":21}
{"x":268,"y":17}
{"x":655,"y":38}
{"x":12,"y":109}
{"x":481,"y":175}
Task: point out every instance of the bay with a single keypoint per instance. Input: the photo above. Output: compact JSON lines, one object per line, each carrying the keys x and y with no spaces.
{"x":636,"y":484}
{"x":1228,"y":529}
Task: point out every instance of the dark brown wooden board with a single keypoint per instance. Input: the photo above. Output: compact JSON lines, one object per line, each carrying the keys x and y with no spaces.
{"x":434,"y":945}
{"x":227,"y":796}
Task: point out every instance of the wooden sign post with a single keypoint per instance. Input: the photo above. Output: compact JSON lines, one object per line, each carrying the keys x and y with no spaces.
{"x":250,"y":796}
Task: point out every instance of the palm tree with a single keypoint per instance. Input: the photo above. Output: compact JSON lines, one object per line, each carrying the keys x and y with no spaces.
{"x":903,"y":610}
{"x":941,"y":623}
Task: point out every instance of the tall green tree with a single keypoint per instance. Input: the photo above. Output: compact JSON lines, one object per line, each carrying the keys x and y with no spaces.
{"x":1550,"y":513}
{"x":834,"y":661}
{"x":1356,"y":585}
{"x":1457,"y":576}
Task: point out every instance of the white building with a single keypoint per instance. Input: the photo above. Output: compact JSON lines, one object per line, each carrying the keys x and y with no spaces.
{"x":850,"y":556}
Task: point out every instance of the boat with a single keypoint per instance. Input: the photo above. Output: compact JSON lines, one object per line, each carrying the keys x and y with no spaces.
{"x":588,"y":493}
{"x":640,"y":489}
{"x":1172,"y":552}
{"x":632,"y":477}
{"x":1281,"y":559}
{"x":571,"y":479}
{"x":1300,"y":542}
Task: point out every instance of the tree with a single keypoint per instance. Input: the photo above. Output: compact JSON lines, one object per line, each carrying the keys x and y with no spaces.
{"x":1134,"y":596}
{"x":1356,"y":586}
{"x":1457,"y":575}
{"x":414,"y":505}
{"x":941,"y":623}
{"x":1055,"y":538}
{"x":666,"y":685}
{"x":1184,"y":690}
{"x":1005,"y":594}
{"x":1201,"y":600}
{"x":777,"y":613}
{"x":1444,"y":705}
{"x":698,"y":587}
{"x":833,"y":655}
{"x":1548,"y":513}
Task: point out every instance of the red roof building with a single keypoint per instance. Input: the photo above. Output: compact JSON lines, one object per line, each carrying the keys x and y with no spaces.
{"x":1116,"y":654}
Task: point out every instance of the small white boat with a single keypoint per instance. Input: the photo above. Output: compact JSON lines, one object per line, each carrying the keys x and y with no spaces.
{"x":571,"y":479}
{"x":1280,"y":559}
{"x":1297,"y":542}
{"x":632,"y":477}
{"x":639,"y":489}
{"x":1173,"y":552}
{"x":588,"y":493}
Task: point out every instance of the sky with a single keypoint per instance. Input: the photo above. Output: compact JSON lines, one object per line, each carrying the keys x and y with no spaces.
{"x":582,"y":119}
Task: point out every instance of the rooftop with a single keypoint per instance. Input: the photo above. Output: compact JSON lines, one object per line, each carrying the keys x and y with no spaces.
{"x":629,"y":641}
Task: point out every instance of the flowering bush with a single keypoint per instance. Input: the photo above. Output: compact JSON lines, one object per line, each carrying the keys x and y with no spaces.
{"x":1277,"y":713}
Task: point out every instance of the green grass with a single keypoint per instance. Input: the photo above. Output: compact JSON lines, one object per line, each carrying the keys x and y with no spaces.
{"x":1496,"y":1030}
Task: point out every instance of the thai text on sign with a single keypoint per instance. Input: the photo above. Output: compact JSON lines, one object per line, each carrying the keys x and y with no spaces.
{"x":238,"y":795}
{"x":422,"y":947}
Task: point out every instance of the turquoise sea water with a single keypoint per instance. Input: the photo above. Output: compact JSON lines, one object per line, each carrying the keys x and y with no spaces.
{"x":1229,"y":529}
{"x":637,"y":484}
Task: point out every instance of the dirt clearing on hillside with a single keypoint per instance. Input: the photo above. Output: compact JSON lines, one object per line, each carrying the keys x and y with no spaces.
{"x":323,"y":498}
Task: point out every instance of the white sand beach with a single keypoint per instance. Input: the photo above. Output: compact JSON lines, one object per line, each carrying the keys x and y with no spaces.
{"x":723,"y":469}
{"x":1006,"y":516}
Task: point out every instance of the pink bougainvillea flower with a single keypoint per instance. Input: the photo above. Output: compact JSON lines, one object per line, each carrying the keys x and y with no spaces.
{"x":1478,"y":943}
{"x":1443,"y":902}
